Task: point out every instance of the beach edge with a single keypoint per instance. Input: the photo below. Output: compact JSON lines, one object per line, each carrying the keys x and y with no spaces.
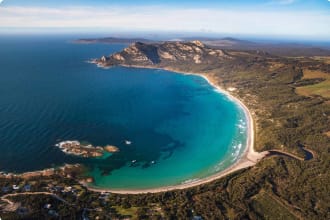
{"x":248,"y":158}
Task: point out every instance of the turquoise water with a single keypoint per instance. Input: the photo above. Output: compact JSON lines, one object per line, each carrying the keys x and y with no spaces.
{"x":180,"y":127}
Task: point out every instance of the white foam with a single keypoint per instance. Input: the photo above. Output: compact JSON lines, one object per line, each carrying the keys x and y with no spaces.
{"x":190,"y":181}
{"x":219,"y":166}
{"x":237,"y":151}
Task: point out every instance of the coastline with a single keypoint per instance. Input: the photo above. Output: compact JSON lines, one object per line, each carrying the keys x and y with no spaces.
{"x":247,"y":159}
{"x":44,"y":172}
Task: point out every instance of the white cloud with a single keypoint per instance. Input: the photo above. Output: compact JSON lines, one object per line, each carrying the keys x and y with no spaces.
{"x":170,"y":19}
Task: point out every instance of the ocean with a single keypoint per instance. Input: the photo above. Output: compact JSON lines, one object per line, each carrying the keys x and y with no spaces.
{"x":181,"y":128}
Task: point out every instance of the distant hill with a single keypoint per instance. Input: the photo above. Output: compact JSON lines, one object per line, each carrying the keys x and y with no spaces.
{"x":225,"y":42}
{"x":278,"y":49}
{"x":113,"y":40}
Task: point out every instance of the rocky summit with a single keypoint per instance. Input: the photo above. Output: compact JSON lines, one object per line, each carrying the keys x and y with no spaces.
{"x":143,"y":54}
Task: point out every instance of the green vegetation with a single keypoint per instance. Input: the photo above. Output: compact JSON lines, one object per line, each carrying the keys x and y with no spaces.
{"x":321,"y":89}
{"x":276,"y":188}
{"x":267,"y":207}
{"x":127,"y":212}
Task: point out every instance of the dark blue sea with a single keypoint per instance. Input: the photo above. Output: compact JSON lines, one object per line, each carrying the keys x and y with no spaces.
{"x":181,"y":128}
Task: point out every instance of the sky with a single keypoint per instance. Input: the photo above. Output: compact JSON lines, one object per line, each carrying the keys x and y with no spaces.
{"x":308,"y":19}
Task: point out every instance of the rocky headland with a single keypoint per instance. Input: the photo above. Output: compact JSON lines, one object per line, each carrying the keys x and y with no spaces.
{"x":167,"y":54}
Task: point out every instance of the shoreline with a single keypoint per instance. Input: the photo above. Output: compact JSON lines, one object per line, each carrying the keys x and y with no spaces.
{"x":44,"y":172}
{"x":247,"y":159}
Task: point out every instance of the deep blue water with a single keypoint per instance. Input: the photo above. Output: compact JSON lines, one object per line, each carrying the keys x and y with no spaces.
{"x":49,"y":93}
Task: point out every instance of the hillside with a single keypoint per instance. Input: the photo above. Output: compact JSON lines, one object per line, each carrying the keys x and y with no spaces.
{"x":167,"y":53}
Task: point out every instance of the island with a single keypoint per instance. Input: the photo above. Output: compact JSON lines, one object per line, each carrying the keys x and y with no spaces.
{"x":78,"y":149}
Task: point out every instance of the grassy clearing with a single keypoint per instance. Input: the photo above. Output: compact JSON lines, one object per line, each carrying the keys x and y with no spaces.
{"x":275,"y":65}
{"x":132,"y":211}
{"x":325,"y":59}
{"x":269,"y":208}
{"x":312,"y":74}
{"x":321,"y":89}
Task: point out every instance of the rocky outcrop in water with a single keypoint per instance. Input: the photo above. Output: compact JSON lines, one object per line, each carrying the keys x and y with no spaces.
{"x":78,"y":149}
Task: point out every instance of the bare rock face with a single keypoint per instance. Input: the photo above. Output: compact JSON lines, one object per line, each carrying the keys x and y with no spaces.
{"x":142,"y":54}
{"x":89,"y":180}
{"x":118,"y":57}
{"x":134,"y":53}
{"x":104,"y":58}
{"x":197,"y":59}
{"x":198,"y":43}
{"x":139,"y":54}
{"x":166,"y":55}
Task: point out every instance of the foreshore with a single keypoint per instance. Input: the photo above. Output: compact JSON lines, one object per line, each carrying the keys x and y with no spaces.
{"x":248,"y":158}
